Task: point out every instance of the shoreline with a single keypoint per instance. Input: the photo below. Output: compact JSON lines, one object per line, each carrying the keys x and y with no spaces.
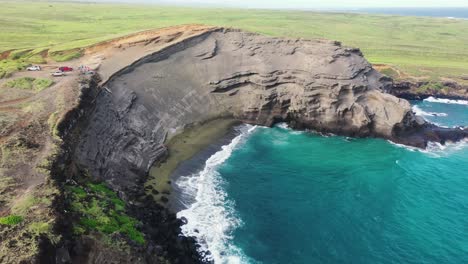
{"x":183,"y":147}
{"x":178,"y":201}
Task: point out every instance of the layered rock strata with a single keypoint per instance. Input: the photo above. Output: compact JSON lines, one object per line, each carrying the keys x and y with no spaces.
{"x":311,"y":84}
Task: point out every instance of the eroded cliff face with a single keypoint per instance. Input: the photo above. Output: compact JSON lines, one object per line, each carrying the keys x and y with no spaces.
{"x":317,"y":85}
{"x":314,"y":84}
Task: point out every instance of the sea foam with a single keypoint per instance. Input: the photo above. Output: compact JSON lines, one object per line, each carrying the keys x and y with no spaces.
{"x":445,"y":101}
{"x":211,"y":219}
{"x":418,"y":111}
{"x":436,"y":149}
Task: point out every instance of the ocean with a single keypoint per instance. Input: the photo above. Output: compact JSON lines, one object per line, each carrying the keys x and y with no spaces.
{"x":447,"y":12}
{"x":274,"y":195}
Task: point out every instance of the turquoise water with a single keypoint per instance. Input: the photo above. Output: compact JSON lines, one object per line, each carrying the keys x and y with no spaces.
{"x":278,"y":196}
{"x":444,"y":114}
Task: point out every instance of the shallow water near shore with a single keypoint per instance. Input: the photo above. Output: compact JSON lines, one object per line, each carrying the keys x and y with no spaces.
{"x":274,"y":195}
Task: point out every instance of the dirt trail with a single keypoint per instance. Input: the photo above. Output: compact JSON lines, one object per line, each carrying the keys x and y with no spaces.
{"x":14,"y":101}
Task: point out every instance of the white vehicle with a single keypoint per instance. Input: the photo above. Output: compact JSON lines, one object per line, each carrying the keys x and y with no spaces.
{"x":34,"y":68}
{"x":58,"y":74}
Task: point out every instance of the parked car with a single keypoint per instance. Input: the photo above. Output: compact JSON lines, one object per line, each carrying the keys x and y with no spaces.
{"x":34,"y":68}
{"x":65,"y":69}
{"x":58,"y":74}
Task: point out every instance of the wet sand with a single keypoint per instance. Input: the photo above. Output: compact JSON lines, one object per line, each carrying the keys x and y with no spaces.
{"x":183,"y":147}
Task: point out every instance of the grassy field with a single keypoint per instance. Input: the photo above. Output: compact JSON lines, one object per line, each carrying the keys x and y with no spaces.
{"x":419,"y":46}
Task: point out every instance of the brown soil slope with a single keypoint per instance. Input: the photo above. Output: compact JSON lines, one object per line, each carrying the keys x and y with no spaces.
{"x":30,"y":141}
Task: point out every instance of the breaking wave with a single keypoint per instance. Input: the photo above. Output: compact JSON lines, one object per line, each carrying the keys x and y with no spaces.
{"x":436,"y":149}
{"x":211,"y":219}
{"x":445,"y":101}
{"x":418,"y":111}
{"x":283,"y":125}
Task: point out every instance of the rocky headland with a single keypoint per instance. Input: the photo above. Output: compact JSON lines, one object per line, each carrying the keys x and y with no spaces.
{"x":148,"y":91}
{"x":311,"y":84}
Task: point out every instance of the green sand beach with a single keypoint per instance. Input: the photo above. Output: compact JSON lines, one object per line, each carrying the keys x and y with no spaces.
{"x":182,"y":147}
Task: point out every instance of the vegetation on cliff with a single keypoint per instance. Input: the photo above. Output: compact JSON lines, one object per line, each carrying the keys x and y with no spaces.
{"x":28,"y":220}
{"x":98,"y":208}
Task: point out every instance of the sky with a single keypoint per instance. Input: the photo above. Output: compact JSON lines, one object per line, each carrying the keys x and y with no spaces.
{"x":308,"y":4}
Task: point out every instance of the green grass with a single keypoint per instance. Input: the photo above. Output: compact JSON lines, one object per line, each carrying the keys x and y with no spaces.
{"x":22,"y":206}
{"x":18,"y":54}
{"x":25,"y":83}
{"x":420,"y":46}
{"x":38,"y":228}
{"x":29,"y":83}
{"x":390,"y":73}
{"x":7,"y":67}
{"x":11,"y":220}
{"x":40,"y":84}
{"x":100,"y":209}
{"x":36,"y":59}
{"x":61,"y":56}
{"x":433,"y":86}
{"x":19,"y":59}
{"x":26,"y":203}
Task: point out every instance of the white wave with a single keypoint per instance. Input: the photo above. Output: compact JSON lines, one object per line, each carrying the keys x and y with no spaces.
{"x":435,"y":148}
{"x":445,"y":101}
{"x":418,"y":111}
{"x":448,"y":147}
{"x":283,"y":125}
{"x":440,"y":125}
{"x":211,"y":219}
{"x":410,"y":148}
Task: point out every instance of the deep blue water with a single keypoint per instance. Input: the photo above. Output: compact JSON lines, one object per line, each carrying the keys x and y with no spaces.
{"x":455,"y":12}
{"x":274,"y":195}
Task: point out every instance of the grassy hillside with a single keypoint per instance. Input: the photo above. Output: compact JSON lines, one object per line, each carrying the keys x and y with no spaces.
{"x":418,"y":46}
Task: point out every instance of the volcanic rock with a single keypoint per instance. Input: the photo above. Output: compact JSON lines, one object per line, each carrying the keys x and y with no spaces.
{"x":311,"y":84}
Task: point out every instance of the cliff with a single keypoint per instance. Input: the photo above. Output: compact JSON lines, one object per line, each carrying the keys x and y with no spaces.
{"x":64,"y":146}
{"x":311,"y":84}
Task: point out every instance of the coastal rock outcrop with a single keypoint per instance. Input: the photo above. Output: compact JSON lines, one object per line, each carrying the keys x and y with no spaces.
{"x":311,"y":84}
{"x":421,"y":90}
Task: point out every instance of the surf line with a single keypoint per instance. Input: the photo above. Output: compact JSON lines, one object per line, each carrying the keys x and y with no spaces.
{"x":211,"y":218}
{"x":445,"y":101}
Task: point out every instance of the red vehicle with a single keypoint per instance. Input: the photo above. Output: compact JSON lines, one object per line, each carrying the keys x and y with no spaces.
{"x":65,"y":69}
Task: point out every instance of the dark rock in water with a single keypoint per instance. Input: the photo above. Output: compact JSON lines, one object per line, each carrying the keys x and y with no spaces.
{"x":164,"y":199}
{"x":420,"y":135}
{"x":412,"y":90}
